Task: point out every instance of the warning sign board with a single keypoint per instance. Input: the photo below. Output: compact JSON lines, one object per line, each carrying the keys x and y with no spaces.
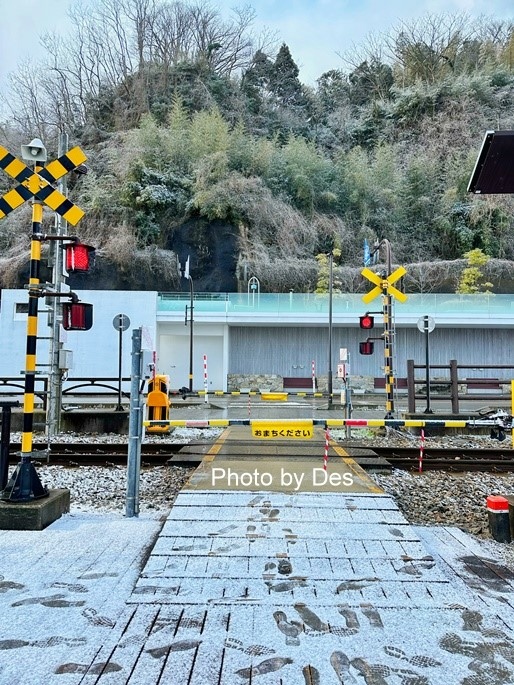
{"x":290,"y":430}
{"x":38,"y":184}
{"x":384,"y":285}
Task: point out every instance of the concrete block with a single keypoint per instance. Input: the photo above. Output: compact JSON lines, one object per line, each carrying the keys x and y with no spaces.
{"x":34,"y":515}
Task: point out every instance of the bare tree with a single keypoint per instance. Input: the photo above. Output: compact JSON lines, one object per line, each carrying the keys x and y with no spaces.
{"x":427,"y":48}
{"x":121,"y":55}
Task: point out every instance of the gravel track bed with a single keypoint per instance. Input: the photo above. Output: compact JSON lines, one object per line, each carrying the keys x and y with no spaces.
{"x":437,"y":497}
{"x":103,"y":488}
{"x":432,"y":498}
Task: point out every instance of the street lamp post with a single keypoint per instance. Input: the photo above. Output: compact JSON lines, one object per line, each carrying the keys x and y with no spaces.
{"x":184,"y":273}
{"x":330,"y":288}
{"x":191,"y":310}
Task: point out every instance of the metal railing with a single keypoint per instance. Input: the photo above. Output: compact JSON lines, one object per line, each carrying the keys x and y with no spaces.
{"x":98,"y":390}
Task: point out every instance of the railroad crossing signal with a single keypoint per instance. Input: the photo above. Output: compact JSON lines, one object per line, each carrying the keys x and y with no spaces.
{"x":384,"y":285}
{"x":367,"y":321}
{"x":37,"y":184}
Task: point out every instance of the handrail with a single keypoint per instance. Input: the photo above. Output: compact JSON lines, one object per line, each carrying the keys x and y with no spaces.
{"x":19,"y":382}
{"x":80,"y":382}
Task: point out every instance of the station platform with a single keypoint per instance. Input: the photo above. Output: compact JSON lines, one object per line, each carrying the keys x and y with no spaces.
{"x":297,"y":584}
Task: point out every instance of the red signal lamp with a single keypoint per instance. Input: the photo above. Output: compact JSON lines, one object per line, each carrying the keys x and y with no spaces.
{"x":79,"y":258}
{"x":366,"y":347}
{"x":77,"y":316}
{"x":366,"y":321}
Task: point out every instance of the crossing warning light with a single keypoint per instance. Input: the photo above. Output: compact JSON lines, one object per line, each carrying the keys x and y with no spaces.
{"x":366,"y":347}
{"x":77,"y":316}
{"x":79,"y":257}
{"x":366,"y":321}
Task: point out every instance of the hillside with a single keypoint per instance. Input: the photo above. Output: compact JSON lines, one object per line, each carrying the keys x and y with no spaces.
{"x":218,"y":152}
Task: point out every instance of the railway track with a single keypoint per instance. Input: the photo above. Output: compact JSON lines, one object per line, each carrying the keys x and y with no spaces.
{"x":99,"y":454}
{"x":450,"y":459}
{"x":500,"y":460}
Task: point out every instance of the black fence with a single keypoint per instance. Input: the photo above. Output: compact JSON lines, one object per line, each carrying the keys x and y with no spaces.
{"x":96,"y":390}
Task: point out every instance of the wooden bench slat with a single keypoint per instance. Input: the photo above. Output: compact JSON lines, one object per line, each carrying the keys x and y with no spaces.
{"x":299,"y":383}
{"x":399,"y":383}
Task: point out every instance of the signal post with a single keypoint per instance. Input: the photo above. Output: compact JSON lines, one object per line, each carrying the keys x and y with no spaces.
{"x":36,"y":185}
{"x":384,"y":286}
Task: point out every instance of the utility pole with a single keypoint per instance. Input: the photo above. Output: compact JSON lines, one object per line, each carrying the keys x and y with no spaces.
{"x":387,"y":313}
{"x":53,"y":417}
{"x":135,"y":429}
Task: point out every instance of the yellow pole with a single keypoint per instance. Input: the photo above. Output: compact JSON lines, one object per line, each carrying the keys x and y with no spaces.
{"x":388,"y":352}
{"x":24,"y":485}
{"x":30,"y":358}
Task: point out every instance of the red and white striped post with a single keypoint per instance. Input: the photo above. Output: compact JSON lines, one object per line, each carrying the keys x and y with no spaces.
{"x":205,"y":379}
{"x":325,"y":454}
{"x":421,"y":449}
{"x":313,"y":369}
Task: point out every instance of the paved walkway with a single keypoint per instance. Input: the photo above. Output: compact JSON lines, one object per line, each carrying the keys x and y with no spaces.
{"x":276,"y":587}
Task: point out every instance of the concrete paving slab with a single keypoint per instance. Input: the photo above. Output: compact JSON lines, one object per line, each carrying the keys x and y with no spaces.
{"x":311,"y":588}
{"x":257,"y":588}
{"x":286,"y":644}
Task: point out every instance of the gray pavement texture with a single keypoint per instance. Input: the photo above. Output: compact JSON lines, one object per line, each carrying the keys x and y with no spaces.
{"x":244,"y":587}
{"x":269,"y":587}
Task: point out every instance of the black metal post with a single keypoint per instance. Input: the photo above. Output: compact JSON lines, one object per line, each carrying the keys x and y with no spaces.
{"x":411,"y":387}
{"x":120,"y":359}
{"x":330,"y":287}
{"x":191,"y":309}
{"x":5,"y":441}
{"x":135,"y":429}
{"x":428,"y":410}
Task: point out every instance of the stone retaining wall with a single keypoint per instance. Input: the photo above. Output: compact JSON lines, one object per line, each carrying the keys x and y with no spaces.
{"x":273,"y":383}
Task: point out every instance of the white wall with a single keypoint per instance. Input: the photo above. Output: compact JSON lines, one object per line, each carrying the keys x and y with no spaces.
{"x":174,"y":352}
{"x":95,"y":352}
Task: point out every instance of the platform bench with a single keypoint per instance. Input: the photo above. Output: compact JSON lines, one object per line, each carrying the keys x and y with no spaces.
{"x":299,"y":384}
{"x":483,"y":385}
{"x":399,"y":383}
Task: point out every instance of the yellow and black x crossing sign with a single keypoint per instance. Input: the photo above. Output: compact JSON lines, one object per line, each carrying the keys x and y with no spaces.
{"x":37,"y":184}
{"x":384,"y":285}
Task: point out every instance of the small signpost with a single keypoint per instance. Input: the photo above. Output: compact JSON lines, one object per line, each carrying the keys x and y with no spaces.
{"x":426,"y":325}
{"x":120,"y":322}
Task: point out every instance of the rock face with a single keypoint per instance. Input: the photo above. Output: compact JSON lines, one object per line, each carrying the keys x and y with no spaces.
{"x":212,"y":248}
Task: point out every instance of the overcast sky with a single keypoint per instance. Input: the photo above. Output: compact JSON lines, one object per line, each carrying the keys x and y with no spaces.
{"x":314,"y":30}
